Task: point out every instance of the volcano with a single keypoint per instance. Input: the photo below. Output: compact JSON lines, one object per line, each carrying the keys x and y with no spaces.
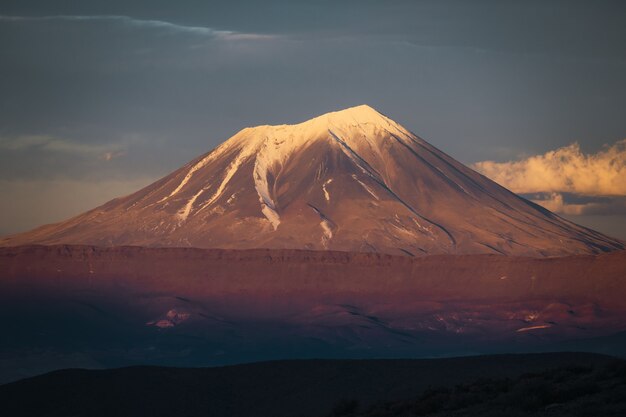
{"x":295,"y":241}
{"x":352,"y":180}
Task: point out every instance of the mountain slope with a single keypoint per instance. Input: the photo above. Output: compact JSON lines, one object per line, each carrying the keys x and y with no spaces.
{"x":351,"y":180}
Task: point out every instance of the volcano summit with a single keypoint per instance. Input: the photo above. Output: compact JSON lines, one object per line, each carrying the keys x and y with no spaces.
{"x":351,"y":180}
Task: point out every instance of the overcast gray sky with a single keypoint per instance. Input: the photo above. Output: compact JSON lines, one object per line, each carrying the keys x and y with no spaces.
{"x":99,"y":98}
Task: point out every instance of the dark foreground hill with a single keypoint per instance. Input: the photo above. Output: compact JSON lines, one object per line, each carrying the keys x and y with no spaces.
{"x":575,"y":391}
{"x":477,"y":385}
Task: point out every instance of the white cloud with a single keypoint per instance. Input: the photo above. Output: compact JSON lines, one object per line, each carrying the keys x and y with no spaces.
{"x":564,"y":170}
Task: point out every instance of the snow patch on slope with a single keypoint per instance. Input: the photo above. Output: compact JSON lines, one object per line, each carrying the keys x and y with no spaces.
{"x":212,"y":156}
{"x":327,"y":226}
{"x":326,"y":195}
{"x":261,"y":184}
{"x":368,"y":189}
{"x":244,"y":154}
{"x":274,"y":145}
{"x":270,"y":214}
{"x":199,"y":165}
{"x":184,"y":213}
{"x":328,"y":232}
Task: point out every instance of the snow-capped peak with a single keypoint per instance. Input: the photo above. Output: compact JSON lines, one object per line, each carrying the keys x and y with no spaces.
{"x":342,"y":121}
{"x":362,"y":114}
{"x":270,"y":147}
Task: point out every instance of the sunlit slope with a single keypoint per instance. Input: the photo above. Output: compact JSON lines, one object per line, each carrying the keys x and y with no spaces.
{"x":351,"y":180}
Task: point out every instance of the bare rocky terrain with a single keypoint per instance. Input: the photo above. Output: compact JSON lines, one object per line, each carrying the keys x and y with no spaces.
{"x":99,"y":307}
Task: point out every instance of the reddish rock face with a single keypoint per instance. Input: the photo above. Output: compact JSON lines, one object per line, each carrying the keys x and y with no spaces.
{"x":82,"y":306}
{"x":352,"y":180}
{"x":483,"y":296}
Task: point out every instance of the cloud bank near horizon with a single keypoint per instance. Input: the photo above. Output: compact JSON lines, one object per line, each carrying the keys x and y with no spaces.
{"x":564,"y":170}
{"x":567,"y":180}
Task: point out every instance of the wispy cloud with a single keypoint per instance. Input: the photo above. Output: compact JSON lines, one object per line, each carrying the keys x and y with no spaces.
{"x":145,"y":24}
{"x":564,"y":170}
{"x":52,"y":144}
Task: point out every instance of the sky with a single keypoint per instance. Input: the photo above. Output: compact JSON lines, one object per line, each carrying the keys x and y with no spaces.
{"x":99,"y":98}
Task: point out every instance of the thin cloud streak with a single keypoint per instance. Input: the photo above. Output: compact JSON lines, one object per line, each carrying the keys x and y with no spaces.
{"x":147,"y":24}
{"x":52,"y":144}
